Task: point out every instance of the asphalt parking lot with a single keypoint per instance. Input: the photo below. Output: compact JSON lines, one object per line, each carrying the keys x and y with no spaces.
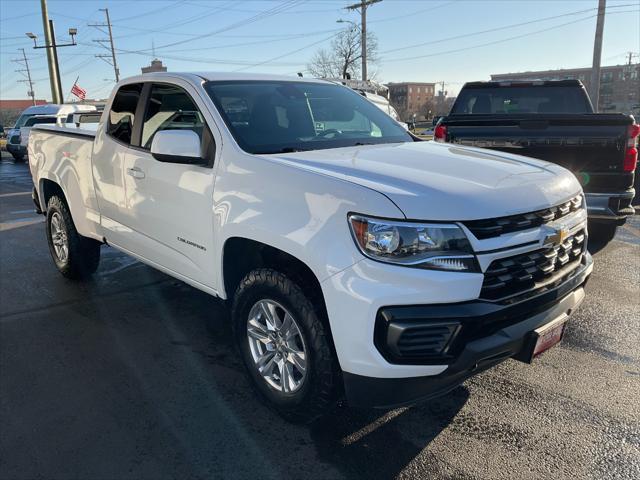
{"x":132,"y":375}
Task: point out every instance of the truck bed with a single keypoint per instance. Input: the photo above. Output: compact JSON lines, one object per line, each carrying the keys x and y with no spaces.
{"x":591,"y":145}
{"x":62,"y":156}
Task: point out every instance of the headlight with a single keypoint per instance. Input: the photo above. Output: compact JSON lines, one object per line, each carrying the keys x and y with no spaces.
{"x":421,"y":245}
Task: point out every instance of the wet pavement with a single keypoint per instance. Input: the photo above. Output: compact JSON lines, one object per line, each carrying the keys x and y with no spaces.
{"x":132,"y":375}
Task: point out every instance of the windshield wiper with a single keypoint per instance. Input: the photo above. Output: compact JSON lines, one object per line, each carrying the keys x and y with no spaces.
{"x":286,"y":150}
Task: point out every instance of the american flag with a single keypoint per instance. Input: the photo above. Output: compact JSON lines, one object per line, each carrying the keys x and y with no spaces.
{"x":78,"y":91}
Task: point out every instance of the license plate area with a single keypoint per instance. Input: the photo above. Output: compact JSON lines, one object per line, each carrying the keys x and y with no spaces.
{"x":542,"y":339}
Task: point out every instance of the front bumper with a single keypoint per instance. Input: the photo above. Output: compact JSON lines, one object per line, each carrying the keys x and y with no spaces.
{"x":506,"y":327}
{"x":614,"y":207}
{"x":16,"y":149}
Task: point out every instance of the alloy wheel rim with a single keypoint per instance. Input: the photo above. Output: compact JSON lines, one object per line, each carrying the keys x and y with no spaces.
{"x":59,"y":238}
{"x":277,"y":346}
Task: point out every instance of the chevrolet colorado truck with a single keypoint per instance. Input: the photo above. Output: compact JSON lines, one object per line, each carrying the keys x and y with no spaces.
{"x":554,"y":121}
{"x":359,"y":262}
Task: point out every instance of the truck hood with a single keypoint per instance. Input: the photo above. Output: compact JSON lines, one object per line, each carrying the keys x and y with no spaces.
{"x":437,"y":181}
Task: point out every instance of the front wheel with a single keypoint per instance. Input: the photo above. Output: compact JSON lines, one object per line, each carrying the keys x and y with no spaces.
{"x":75,"y":256}
{"x":17,"y":157}
{"x":285,"y":346}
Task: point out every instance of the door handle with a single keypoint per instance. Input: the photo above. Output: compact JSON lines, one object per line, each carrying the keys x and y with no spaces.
{"x":135,"y":172}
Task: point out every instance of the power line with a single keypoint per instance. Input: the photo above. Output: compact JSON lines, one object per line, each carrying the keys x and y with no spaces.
{"x":163,"y":29}
{"x":496,"y":29}
{"x":501,"y":40}
{"x":287,"y":54}
{"x":242,"y":23}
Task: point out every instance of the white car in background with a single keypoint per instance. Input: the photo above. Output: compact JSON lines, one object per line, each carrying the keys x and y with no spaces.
{"x":63,"y":114}
{"x":35,"y":120}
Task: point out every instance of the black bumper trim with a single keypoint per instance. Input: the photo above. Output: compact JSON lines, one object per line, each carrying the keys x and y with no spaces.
{"x":13,"y":148}
{"x":506,"y":341}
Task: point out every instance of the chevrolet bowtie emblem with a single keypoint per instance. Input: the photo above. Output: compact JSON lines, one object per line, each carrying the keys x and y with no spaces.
{"x":558,"y":236}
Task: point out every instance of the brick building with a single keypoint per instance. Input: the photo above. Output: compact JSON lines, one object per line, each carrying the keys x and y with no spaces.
{"x":619,"y":84}
{"x":10,"y":110}
{"x":409,"y":97}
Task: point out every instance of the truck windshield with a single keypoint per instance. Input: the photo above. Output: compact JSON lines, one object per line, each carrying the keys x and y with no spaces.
{"x":37,"y":120}
{"x":521,"y":99}
{"x":22,"y":119}
{"x":280,"y":116}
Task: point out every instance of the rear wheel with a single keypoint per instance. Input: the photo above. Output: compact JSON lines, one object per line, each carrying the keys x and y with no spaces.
{"x":75,"y":256}
{"x":285,"y":346}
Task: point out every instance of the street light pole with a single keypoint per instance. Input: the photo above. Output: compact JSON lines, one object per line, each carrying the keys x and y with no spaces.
{"x":52,"y":55}
{"x":56,"y":97}
{"x":54,"y":49}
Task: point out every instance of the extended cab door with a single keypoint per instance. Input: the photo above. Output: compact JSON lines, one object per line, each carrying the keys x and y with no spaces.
{"x":168,"y":205}
{"x":113,"y":141}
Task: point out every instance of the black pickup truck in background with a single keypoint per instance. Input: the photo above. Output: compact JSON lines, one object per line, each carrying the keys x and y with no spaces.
{"x":553,"y":121}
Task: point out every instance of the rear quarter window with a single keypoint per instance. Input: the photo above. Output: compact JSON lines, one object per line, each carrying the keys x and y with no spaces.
{"x":521,"y":100}
{"x":122,"y":113}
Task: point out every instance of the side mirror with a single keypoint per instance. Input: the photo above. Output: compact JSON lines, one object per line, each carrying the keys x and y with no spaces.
{"x":177,"y":146}
{"x":86,"y":117}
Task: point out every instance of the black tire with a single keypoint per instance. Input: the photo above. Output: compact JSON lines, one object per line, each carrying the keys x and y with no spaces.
{"x":82,"y":254}
{"x":601,"y":232}
{"x":319,"y":390}
{"x":17,"y":157}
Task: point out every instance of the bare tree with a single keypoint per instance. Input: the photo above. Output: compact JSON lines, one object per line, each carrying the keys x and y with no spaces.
{"x":342,"y":59}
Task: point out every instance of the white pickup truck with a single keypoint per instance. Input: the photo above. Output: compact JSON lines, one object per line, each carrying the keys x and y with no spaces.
{"x":360,"y":262}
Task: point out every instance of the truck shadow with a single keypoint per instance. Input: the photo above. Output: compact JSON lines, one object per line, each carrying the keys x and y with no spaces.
{"x":356,"y":443}
{"x":380,"y":444}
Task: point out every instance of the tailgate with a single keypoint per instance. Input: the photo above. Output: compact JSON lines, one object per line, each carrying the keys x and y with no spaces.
{"x":591,"y":146}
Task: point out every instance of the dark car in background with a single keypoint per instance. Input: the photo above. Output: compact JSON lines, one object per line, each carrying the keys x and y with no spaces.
{"x":553,"y":121}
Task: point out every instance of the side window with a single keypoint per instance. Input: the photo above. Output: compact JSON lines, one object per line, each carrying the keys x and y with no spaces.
{"x":123,"y":109}
{"x":170,"y":108}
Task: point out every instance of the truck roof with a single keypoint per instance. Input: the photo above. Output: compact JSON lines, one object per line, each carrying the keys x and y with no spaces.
{"x":520,"y":82}
{"x":221,"y":76}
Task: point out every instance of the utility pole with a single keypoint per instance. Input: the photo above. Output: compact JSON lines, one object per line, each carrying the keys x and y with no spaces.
{"x":101,"y":41}
{"x":28,"y":80}
{"x":442,"y":97}
{"x":362,"y":6}
{"x":597,"y":54}
{"x":54,"y":75}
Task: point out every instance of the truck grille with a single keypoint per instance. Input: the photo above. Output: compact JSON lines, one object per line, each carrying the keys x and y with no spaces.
{"x":495,"y":227}
{"x":510,"y":276}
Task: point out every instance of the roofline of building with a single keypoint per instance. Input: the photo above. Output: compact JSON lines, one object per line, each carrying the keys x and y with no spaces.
{"x":582,"y":69}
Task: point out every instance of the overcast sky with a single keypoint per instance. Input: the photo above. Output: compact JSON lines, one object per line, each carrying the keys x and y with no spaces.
{"x":419,"y":40}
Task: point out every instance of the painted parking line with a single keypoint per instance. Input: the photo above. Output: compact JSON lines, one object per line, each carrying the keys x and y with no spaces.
{"x":19,"y":222}
{"x":15,"y":194}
